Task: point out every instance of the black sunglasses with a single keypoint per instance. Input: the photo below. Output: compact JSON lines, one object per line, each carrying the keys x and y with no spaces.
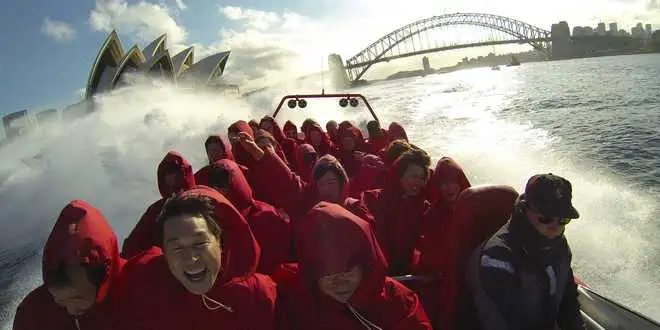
{"x":546,"y":220}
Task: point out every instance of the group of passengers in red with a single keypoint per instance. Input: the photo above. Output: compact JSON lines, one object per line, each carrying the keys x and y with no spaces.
{"x":276,"y":232}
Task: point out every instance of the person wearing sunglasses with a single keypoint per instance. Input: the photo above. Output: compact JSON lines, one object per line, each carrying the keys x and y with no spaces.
{"x":521,"y":278}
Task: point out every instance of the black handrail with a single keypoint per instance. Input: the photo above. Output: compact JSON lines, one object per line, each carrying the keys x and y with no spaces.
{"x":347,"y":97}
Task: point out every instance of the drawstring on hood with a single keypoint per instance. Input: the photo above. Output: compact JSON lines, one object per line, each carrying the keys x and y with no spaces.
{"x":206,"y":300}
{"x":367,"y":324}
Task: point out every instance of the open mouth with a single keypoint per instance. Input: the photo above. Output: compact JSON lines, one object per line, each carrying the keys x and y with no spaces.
{"x":196,"y":275}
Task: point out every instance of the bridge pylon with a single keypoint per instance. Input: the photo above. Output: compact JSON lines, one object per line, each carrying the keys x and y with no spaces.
{"x":337,"y":71}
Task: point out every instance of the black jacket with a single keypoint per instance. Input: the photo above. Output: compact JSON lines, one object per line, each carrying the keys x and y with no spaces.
{"x":521,"y":280}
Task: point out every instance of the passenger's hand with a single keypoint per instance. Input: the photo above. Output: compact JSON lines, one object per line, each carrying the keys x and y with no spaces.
{"x":250,"y":146}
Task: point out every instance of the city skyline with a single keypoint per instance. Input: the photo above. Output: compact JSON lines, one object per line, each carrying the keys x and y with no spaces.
{"x":639,"y":31}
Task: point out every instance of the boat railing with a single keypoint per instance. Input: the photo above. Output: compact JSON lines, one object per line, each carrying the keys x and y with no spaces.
{"x":344,"y":100}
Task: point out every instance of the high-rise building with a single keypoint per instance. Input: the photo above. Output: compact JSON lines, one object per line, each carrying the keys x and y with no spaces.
{"x":614,"y":29}
{"x":588,"y":31}
{"x":600,"y":30}
{"x":561,"y":40}
{"x":638,"y":32}
{"x":578,"y":31}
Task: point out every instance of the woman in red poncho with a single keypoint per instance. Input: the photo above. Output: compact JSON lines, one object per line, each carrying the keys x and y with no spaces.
{"x":205,"y":277}
{"x":270,"y":227}
{"x":291,"y":131}
{"x":333,"y":131}
{"x":379,"y":138}
{"x":397,"y":132}
{"x":174,"y":175}
{"x":216,"y":148}
{"x":448,"y":181}
{"x":319,"y":140}
{"x":306,"y":157}
{"x":271,"y":126}
{"x":265,"y":140}
{"x":399,"y":210}
{"x":240,"y":155}
{"x":328,"y":182}
{"x":341,"y":282}
{"x":80,"y":268}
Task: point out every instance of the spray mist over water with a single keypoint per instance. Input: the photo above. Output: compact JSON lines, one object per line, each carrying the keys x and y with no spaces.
{"x":108,"y":158}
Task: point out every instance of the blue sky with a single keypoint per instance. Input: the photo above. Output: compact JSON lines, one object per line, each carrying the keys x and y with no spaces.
{"x":49,"y":46}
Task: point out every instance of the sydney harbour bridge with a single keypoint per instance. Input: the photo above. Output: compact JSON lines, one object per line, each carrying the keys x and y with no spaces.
{"x":421,"y":37}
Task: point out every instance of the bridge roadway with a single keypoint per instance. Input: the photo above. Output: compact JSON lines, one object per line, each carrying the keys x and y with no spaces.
{"x":444,"y":48}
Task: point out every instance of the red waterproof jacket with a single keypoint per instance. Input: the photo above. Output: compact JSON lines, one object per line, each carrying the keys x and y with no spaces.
{"x":270,"y":227}
{"x":81,"y":235}
{"x":152,"y":298}
{"x":379,"y":302}
{"x":398,"y":221}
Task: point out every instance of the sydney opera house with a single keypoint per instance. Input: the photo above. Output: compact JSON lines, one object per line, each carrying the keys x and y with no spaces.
{"x":114,"y":67}
{"x":113,"y":63}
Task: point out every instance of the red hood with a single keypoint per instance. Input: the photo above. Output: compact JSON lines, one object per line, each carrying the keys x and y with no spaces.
{"x":173,"y":158}
{"x":225,"y":144}
{"x":319,"y":253}
{"x":289,"y":125}
{"x":253,"y":124}
{"x":332,"y":162}
{"x":239,"y":192}
{"x":326,"y":144}
{"x":277,"y":131}
{"x":240,"y":251}
{"x":82,"y":235}
{"x":241,"y":156}
{"x":448,"y":170}
{"x":347,"y":129}
{"x":304,"y":169}
{"x":397,"y":132}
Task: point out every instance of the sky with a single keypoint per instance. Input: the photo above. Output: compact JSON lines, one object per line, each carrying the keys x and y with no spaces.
{"x":48,"y":47}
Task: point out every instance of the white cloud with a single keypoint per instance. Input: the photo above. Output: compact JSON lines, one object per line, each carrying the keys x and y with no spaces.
{"x":143,"y":21}
{"x":260,"y":20}
{"x":181,"y":5}
{"x":58,"y":30}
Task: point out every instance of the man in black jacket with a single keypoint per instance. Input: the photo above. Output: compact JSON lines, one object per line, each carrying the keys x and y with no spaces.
{"x":521,"y":278}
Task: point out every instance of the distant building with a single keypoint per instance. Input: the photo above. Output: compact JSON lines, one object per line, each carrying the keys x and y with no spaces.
{"x":15,"y":123}
{"x":649,"y":28}
{"x":112,"y":63}
{"x":426,"y":64}
{"x":578,"y":31}
{"x":561,"y":40}
{"x":600,"y":30}
{"x":588,"y":31}
{"x":638,"y":32}
{"x":47,"y":116}
{"x":614,"y":29}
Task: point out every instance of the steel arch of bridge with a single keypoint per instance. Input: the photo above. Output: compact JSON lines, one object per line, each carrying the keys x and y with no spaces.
{"x":358,"y":65}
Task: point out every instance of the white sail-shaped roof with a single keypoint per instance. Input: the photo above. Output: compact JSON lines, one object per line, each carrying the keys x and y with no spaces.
{"x":107,"y":59}
{"x":208,"y":68}
{"x":155,"y":47}
{"x":183,"y":60}
{"x":161,"y":65}
{"x":112,"y":63}
{"x":133,"y":59}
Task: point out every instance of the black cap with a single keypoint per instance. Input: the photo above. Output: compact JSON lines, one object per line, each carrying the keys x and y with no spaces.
{"x":551,"y":196}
